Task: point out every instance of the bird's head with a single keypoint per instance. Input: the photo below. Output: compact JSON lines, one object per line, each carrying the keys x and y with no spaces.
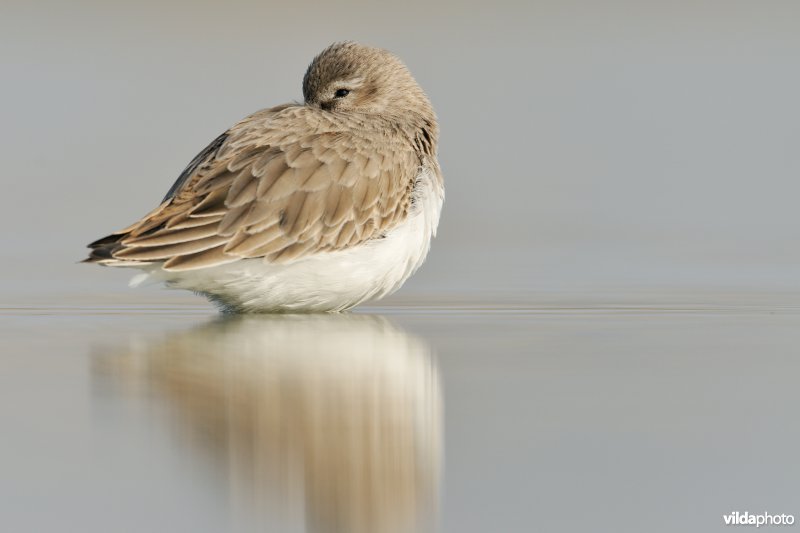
{"x":350,"y":77}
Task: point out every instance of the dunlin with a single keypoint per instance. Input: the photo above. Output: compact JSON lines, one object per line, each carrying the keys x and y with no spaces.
{"x":316,"y":206}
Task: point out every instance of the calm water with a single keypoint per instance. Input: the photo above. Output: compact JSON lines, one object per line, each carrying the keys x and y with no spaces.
{"x":584,"y":145}
{"x":638,"y":412}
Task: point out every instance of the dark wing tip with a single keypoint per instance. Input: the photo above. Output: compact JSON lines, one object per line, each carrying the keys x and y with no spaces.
{"x":208,"y":153}
{"x":103,"y":249}
{"x":105,"y":241}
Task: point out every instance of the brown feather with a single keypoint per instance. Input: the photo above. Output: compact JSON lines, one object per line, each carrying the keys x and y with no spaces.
{"x":243,"y":189}
{"x":334,"y":216}
{"x":207,"y":258}
{"x":211,"y":205}
{"x":347,"y":231}
{"x":285,"y":183}
{"x":229,"y":223}
{"x":247,"y":243}
{"x":271,"y":247}
{"x":167,"y":236}
{"x":309,"y":214}
{"x":165,"y":252}
{"x":192,"y":222}
{"x":274,"y":169}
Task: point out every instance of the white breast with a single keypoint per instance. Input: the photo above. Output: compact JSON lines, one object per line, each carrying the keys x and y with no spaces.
{"x":327,"y":281}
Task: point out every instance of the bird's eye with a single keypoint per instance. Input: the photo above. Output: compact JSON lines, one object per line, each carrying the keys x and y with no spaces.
{"x":341,"y":93}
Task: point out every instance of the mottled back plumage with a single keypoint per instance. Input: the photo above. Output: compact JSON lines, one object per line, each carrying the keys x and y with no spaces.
{"x":296,"y":179}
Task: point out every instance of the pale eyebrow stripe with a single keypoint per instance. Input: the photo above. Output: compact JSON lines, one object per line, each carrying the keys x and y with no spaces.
{"x":351,"y":82}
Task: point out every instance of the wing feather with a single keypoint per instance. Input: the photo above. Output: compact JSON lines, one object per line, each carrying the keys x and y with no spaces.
{"x":283,"y":183}
{"x":209,"y":258}
{"x":152,"y":253}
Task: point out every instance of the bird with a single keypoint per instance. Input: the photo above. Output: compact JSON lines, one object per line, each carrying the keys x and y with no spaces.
{"x":312,"y":206}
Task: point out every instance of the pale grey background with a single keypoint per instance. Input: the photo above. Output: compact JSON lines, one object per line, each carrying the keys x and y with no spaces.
{"x":627,"y":171}
{"x":584,"y":144}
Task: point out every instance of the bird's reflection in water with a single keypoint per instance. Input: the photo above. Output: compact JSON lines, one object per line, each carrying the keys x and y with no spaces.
{"x":328,"y":423}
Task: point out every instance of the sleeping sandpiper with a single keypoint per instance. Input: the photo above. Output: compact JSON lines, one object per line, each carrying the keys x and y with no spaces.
{"x":316,"y":206}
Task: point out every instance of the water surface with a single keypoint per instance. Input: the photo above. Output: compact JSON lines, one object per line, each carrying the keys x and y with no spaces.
{"x":594,"y":412}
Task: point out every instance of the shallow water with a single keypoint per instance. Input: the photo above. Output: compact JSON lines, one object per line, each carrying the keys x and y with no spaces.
{"x":647,"y":411}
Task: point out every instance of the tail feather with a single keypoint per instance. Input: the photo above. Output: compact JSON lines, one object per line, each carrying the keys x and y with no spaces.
{"x":103,"y":249}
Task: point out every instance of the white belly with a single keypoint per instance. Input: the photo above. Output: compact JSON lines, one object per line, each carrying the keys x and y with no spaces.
{"x":329,"y":281}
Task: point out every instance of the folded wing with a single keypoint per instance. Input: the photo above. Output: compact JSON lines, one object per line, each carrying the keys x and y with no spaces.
{"x":282,"y":184}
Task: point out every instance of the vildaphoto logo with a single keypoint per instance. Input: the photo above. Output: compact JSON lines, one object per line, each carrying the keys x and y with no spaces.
{"x":764,"y":519}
